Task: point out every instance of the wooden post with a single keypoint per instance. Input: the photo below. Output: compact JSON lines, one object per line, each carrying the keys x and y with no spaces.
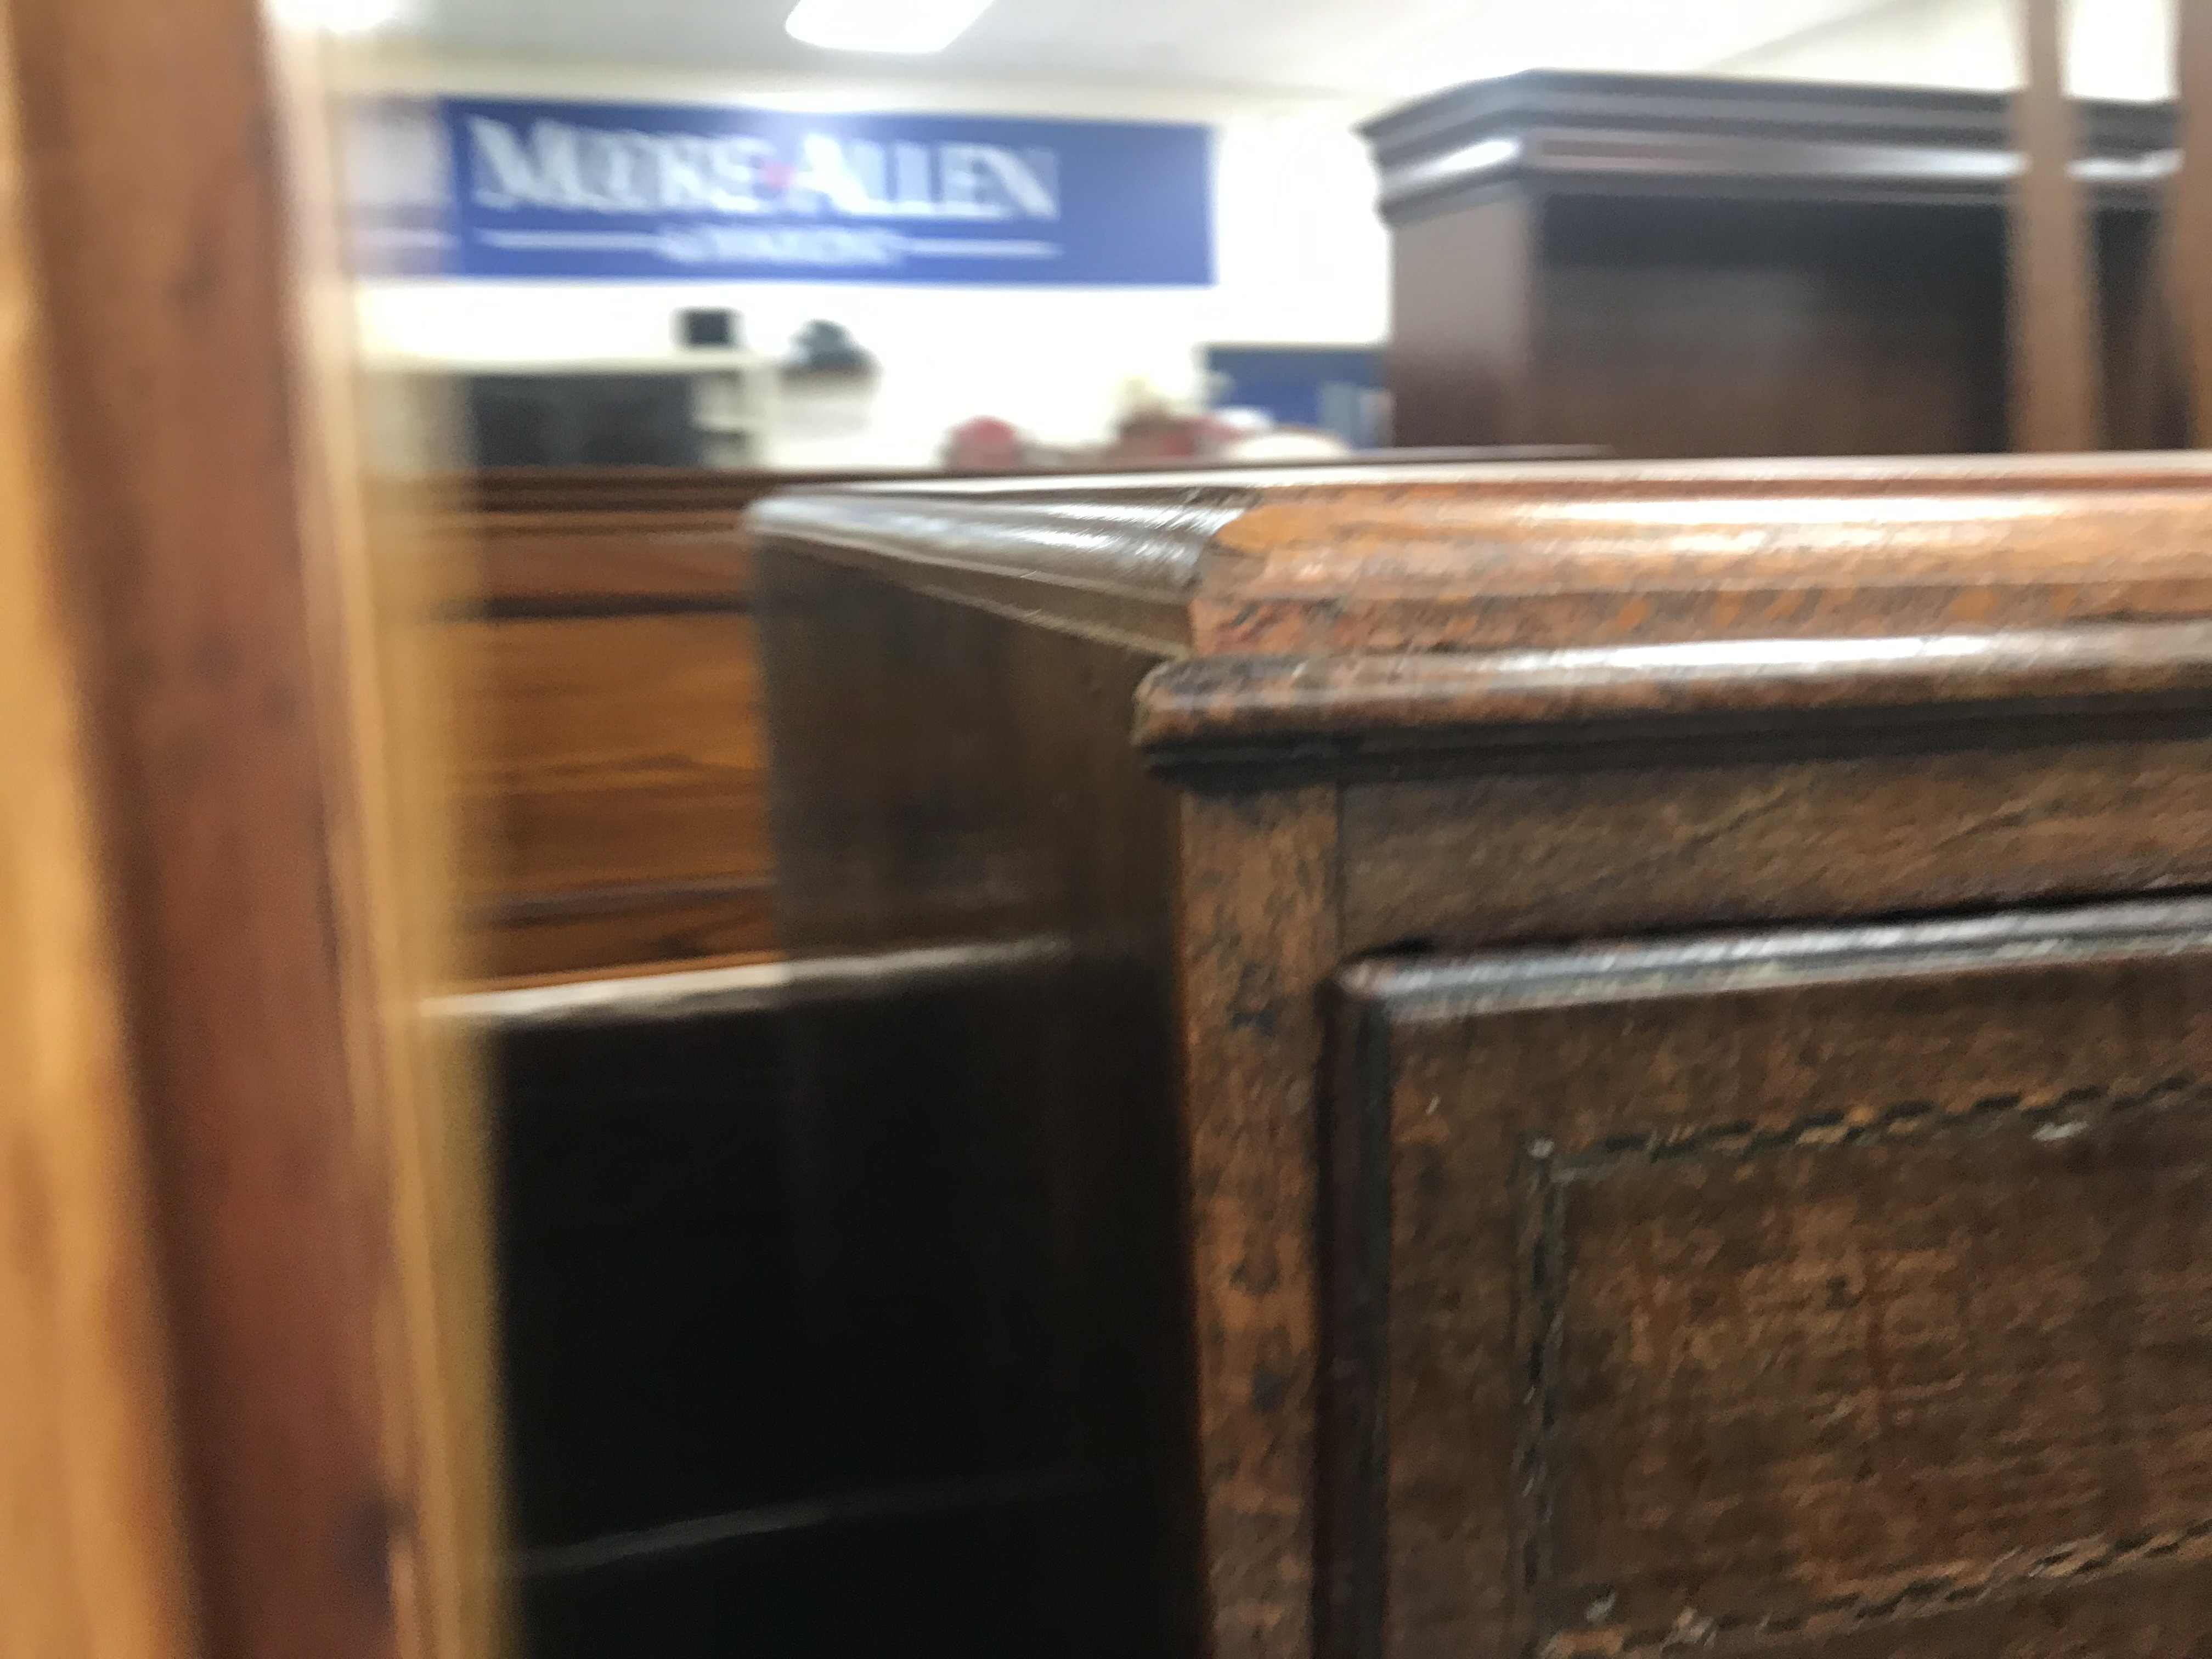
{"x":94,"y":1552}
{"x":315,"y":1189}
{"x":2189,"y":202}
{"x":2057,"y":393}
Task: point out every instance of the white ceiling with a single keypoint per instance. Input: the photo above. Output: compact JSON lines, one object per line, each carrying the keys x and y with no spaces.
{"x":1374,"y":47}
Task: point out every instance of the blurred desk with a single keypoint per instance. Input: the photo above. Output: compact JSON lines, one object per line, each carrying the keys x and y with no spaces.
{"x":607,"y":737}
{"x":1629,"y":1063}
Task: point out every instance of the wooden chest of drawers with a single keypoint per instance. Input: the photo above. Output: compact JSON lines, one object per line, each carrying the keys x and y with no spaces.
{"x":1626,"y":1052}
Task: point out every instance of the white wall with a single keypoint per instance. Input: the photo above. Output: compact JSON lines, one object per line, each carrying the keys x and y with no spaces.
{"x":2116,"y":48}
{"x":1301,"y":257}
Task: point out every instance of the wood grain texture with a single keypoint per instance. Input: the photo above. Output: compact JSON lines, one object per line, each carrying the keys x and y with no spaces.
{"x":1597,"y":553}
{"x":606,"y":743}
{"x":1565,"y":554}
{"x":2057,"y":384}
{"x":1872,"y":1461}
{"x":1411,"y":709}
{"x":1627,"y":842}
{"x":630,"y":928}
{"x":1260,"y":937}
{"x":1852,"y":1276}
{"x":607,"y":751}
{"x":1353,"y":707}
{"x":166,"y":273}
{"x":93,"y":1543}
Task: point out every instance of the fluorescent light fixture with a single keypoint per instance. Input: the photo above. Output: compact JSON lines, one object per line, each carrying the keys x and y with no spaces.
{"x":346,"y":16}
{"x":907,"y":25}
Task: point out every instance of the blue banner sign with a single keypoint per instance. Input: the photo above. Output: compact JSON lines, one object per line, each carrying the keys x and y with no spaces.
{"x":594,"y":191}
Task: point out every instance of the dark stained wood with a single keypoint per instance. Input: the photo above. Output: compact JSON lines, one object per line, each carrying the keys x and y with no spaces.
{"x":1858,"y":1276}
{"x":1671,"y":266}
{"x":1513,"y":1321}
{"x":2188,"y":266}
{"x":2145,"y":373}
{"x":2051,"y":310}
{"x":1364,"y":706}
{"x":1676,"y":326}
{"x":1463,"y":321}
{"x":1595,"y":842}
{"x":1259,"y":904}
{"x":781,"y":1376}
{"x":1692,"y":136}
{"x":951,"y":782}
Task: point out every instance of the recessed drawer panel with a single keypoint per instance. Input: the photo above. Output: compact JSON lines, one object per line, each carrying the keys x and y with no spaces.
{"x":1777,"y":1289}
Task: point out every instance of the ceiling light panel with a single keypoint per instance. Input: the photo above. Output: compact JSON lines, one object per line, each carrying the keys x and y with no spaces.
{"x":911,"y":26}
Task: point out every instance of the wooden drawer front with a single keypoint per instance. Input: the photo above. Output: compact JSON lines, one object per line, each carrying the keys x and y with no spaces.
{"x":1570,"y":847}
{"x":1778,"y":1291}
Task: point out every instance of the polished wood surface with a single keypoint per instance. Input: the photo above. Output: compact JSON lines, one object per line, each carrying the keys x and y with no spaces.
{"x":619,"y":760}
{"x":1454,"y":775}
{"x":93,"y":1545}
{"x":1578,"y":554}
{"x":1673,"y":266}
{"x":607,"y":766}
{"x":2050,"y":307}
{"x":244,"y":788}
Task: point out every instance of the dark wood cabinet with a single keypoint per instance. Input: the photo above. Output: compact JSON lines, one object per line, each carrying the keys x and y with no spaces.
{"x":1774,"y":1287}
{"x":1618,"y":1055}
{"x":1680,"y":267}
